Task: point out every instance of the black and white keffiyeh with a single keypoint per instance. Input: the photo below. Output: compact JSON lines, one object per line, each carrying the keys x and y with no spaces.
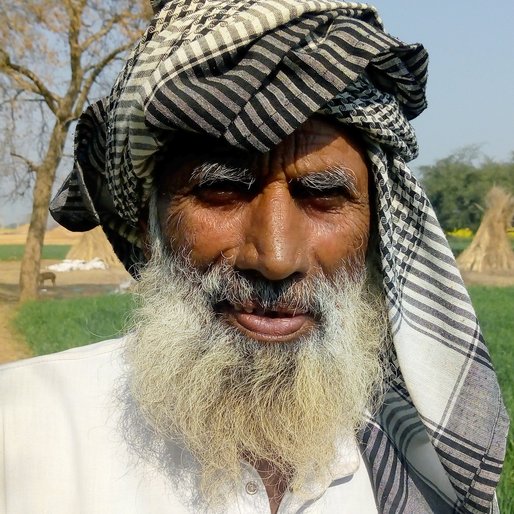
{"x":250,"y":73}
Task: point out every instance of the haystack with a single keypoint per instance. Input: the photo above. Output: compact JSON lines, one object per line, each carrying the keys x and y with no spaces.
{"x":61,"y":236}
{"x":490,"y":250}
{"x":93,"y":244}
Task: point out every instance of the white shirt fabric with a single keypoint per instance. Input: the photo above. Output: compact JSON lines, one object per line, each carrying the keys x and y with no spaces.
{"x":61,"y":451}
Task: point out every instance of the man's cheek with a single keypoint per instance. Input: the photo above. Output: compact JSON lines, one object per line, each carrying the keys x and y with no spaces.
{"x":343,"y":246}
{"x":205,"y":235}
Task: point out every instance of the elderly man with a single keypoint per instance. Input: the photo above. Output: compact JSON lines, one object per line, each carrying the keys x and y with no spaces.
{"x":303,"y":341}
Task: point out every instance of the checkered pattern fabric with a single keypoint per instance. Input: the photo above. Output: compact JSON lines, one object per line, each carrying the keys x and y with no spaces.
{"x":250,"y":73}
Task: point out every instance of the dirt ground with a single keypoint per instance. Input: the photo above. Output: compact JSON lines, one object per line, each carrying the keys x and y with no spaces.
{"x":55,"y":236}
{"x":12,"y":346}
{"x":78,"y":283}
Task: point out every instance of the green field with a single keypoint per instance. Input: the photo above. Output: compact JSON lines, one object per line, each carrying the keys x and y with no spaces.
{"x":15,"y":252}
{"x":50,"y":326}
{"x":495,"y":310}
{"x":54,"y":325}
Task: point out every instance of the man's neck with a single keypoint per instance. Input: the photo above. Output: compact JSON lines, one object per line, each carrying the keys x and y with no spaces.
{"x":274,"y":482}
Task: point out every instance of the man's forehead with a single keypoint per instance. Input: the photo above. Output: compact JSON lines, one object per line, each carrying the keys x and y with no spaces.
{"x":319,"y":143}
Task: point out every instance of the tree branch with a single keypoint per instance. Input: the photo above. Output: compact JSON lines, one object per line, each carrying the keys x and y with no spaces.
{"x":75,"y":11}
{"x":108,"y":25}
{"x":27,"y":79}
{"x":95,"y":70}
{"x":12,"y":100}
{"x":32,"y":166}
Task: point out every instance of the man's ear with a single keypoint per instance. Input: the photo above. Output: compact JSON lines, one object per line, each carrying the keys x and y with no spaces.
{"x":142,"y":224}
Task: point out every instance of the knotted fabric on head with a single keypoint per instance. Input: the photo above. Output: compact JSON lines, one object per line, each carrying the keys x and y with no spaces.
{"x":250,"y":73}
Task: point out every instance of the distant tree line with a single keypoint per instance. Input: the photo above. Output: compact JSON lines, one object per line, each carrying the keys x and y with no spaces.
{"x":457,"y":186}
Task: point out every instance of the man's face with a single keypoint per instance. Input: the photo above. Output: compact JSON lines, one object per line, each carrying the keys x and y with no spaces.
{"x":248,"y":250}
{"x":300,"y":210}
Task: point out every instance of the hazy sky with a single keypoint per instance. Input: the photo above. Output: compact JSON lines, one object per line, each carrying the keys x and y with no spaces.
{"x":471,"y":72}
{"x":471,"y":76}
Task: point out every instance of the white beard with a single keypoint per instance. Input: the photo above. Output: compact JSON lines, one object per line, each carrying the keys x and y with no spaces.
{"x":199,"y":381}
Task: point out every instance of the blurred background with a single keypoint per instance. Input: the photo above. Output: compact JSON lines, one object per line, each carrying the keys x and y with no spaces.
{"x":59,"y":289}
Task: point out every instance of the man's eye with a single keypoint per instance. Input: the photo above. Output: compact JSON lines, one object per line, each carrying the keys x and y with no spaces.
{"x":222,"y":191}
{"x":326,"y":198}
{"x":326,"y":193}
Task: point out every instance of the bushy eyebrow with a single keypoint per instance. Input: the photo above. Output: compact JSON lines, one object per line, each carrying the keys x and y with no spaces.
{"x":211,"y":172}
{"x":332,"y":178}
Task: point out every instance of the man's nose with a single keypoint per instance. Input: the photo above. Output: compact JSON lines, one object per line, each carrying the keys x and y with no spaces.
{"x":276,"y":245}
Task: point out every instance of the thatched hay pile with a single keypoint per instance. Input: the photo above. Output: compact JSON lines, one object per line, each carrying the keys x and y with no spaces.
{"x":61,"y":236}
{"x":93,"y":244}
{"x":490,"y":249}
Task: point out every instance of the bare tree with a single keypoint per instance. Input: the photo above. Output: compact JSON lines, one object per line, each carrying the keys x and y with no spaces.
{"x":52,"y":55}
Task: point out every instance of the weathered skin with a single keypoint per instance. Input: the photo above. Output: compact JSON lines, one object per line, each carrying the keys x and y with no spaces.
{"x":278,"y":228}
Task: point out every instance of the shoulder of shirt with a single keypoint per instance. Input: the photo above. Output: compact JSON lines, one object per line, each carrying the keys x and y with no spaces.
{"x":91,"y":352}
{"x":51,"y":380}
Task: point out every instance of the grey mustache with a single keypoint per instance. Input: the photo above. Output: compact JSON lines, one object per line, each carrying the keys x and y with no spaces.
{"x":225,"y":284}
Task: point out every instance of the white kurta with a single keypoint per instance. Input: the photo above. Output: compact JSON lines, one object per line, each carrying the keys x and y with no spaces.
{"x":61,"y":450}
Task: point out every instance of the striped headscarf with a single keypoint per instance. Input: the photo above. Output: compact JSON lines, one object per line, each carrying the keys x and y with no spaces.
{"x":250,"y":73}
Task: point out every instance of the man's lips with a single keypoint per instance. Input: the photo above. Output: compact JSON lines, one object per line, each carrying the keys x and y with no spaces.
{"x":281,"y":324}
